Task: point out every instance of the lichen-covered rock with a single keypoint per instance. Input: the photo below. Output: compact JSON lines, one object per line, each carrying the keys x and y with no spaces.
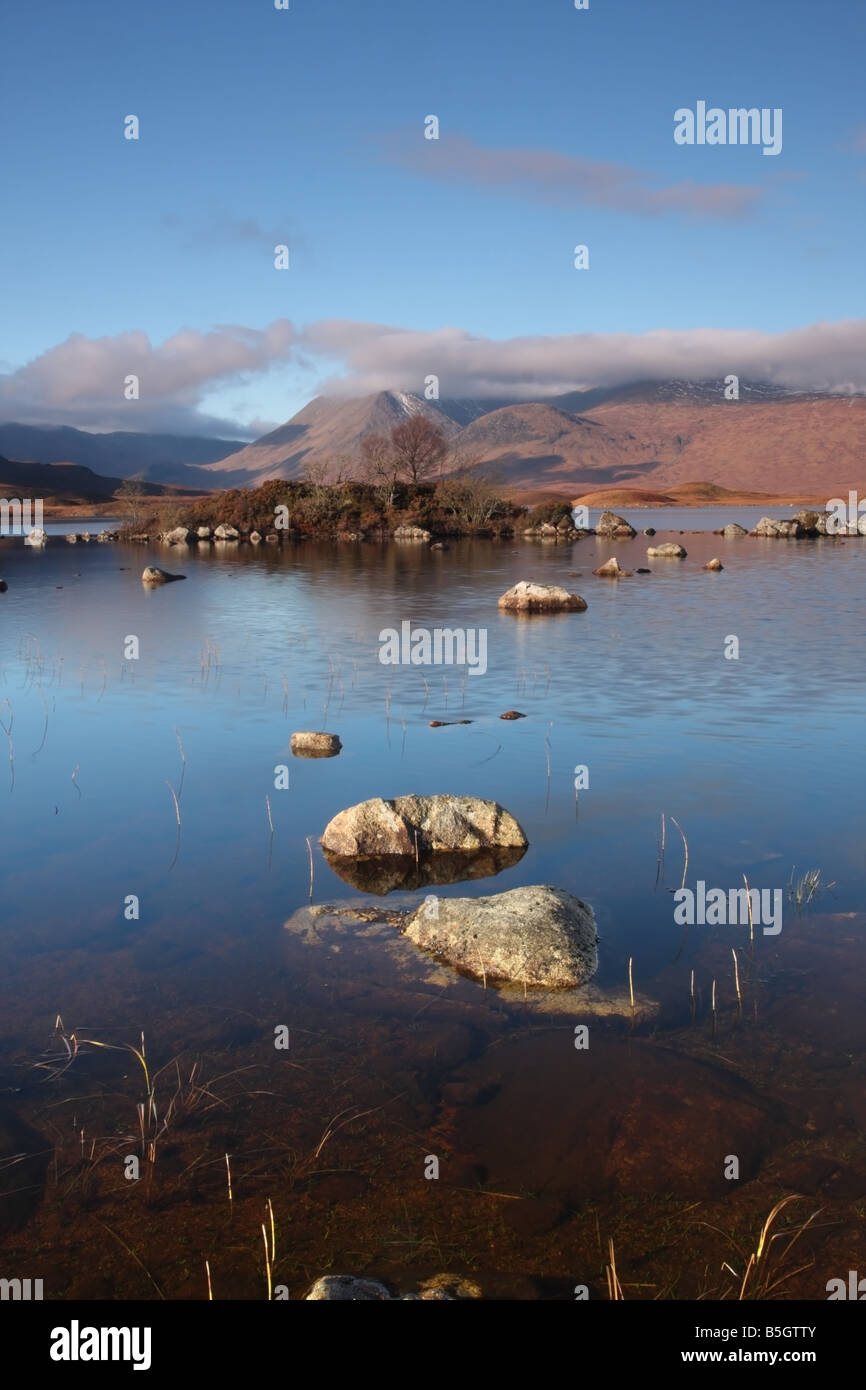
{"x":227,"y":533}
{"x":310,"y":743}
{"x":714,"y":564}
{"x":527,"y":597}
{"x":609,"y":524}
{"x":178,"y":535}
{"x":153,"y":575}
{"x":36,"y":537}
{"x":668,"y":551}
{"x":345,"y":1288}
{"x":611,"y":570}
{"x":732,"y":530}
{"x":536,"y":935}
{"x":411,"y":825}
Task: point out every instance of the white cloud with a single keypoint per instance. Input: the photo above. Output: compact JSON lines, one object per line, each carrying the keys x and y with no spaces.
{"x":80,"y":381}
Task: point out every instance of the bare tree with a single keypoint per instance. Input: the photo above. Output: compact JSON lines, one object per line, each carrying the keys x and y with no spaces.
{"x":420,"y":446}
{"x":132,"y":495}
{"x":380,"y":466}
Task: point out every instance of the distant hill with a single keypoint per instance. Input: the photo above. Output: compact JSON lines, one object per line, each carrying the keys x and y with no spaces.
{"x":160,"y":458}
{"x":656,"y":436}
{"x":653,"y":436}
{"x":67,"y":484}
{"x":329,"y":432}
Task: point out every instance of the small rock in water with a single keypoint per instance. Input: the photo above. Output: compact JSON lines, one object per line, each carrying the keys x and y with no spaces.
{"x":152,"y":575}
{"x":669,"y":551}
{"x":527,"y":597}
{"x":512,"y":714}
{"x":714,"y":564}
{"x":611,"y":570}
{"x":445,"y":723}
{"x":641,"y":569}
{"x":649,"y":530}
{"x":310,"y":743}
{"x":3,"y":586}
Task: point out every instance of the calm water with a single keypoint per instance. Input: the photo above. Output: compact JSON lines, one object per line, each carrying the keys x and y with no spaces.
{"x":760,"y":760}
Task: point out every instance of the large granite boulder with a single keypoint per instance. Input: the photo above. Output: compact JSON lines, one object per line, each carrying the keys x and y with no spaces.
{"x":527,"y":597}
{"x":535,"y":936}
{"x":414,"y":825}
{"x":609,"y":524}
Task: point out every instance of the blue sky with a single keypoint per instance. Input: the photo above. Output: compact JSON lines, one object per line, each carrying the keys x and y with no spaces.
{"x":306,"y":126}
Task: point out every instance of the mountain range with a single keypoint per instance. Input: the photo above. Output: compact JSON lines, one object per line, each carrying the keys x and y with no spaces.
{"x":651,"y":436}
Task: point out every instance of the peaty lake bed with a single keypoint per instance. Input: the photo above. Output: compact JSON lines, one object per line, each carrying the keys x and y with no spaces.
{"x":163,"y":877}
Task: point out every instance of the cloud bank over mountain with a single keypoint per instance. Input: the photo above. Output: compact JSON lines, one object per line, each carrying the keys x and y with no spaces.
{"x":81,"y":380}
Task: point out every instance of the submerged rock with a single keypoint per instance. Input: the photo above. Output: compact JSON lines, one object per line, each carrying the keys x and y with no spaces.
{"x":413,"y":825}
{"x":3,"y":586}
{"x":527,"y":597}
{"x":24,"y":1158}
{"x":537,"y":935}
{"x":152,"y":575}
{"x":633,"y":1116}
{"x":310,"y":743}
{"x":714,"y":564}
{"x":670,"y":550}
{"x":512,"y":714}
